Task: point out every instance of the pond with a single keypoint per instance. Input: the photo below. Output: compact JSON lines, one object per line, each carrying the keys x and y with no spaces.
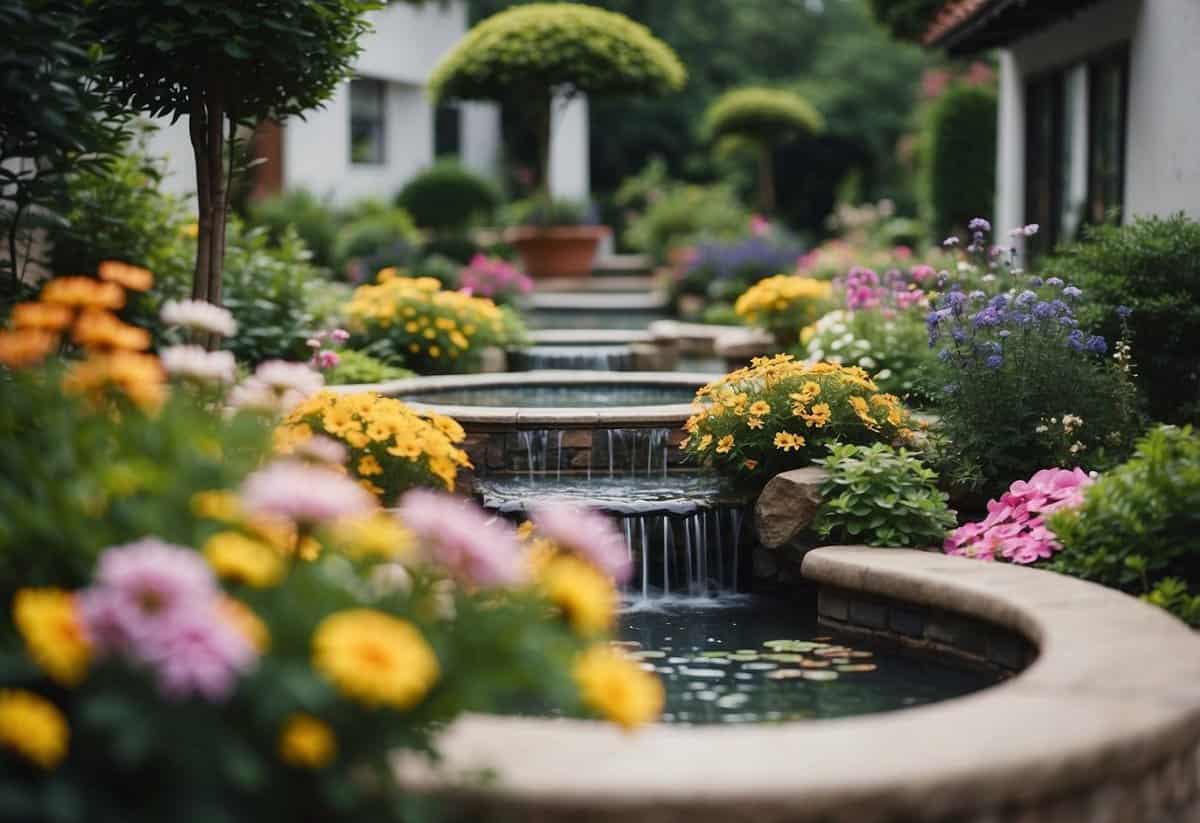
{"x":583,"y":395}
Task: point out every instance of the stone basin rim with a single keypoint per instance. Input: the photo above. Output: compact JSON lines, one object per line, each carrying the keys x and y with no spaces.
{"x":667,"y":415}
{"x":1099,"y":705}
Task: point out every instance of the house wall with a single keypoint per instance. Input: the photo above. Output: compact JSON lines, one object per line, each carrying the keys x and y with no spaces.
{"x":1162,"y":169}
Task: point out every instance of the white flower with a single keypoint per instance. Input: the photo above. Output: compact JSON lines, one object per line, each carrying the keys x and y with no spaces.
{"x":1077,"y":447}
{"x":199,"y":316}
{"x":884,"y":375}
{"x":1031,"y":229}
{"x":277,"y":387}
{"x":195,"y":363}
{"x":282,"y":376}
{"x":837,"y":344}
{"x":1041,"y":429}
{"x":1070,"y":422}
{"x":866,"y":362}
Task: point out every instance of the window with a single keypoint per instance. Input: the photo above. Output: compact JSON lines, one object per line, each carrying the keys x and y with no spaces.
{"x":1045,"y":137}
{"x":1107,"y":96}
{"x":368,"y":120}
{"x":447,"y":131}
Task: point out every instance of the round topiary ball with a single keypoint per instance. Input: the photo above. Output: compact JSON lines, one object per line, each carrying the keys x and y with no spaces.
{"x":448,"y":197}
{"x":762,"y":114}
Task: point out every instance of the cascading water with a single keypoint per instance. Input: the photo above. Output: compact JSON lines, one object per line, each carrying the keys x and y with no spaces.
{"x":587,"y":358}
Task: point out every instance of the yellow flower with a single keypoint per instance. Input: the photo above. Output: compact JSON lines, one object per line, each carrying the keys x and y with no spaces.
{"x":725,"y":444}
{"x":233,"y":556}
{"x":306,"y":742}
{"x":375,"y":658}
{"x":221,"y":505}
{"x":819,"y":416}
{"x":368,"y":466}
{"x":375,"y":535}
{"x":248,"y":624}
{"x":760,"y":408}
{"x":616,"y":687}
{"x":49,"y":624}
{"x":704,"y":443}
{"x":140,"y":377}
{"x":25,"y":347}
{"x":33,"y":727}
{"x":754,"y":422}
{"x":786,"y":441}
{"x":863,"y":411}
{"x":585,"y":595}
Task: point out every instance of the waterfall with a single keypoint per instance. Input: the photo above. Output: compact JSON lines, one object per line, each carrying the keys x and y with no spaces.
{"x":683,"y":553}
{"x":624,"y":452}
{"x":587,"y":358}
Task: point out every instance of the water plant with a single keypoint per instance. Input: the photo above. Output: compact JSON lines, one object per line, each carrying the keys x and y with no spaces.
{"x":390,"y":447}
{"x":779,"y":413}
{"x":880,"y":496}
{"x":428,"y":328}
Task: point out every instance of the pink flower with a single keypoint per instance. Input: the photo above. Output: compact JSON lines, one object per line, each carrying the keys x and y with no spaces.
{"x":587,"y":533}
{"x":327,"y":359}
{"x":320,"y":449}
{"x":922,"y":272}
{"x":473,"y":546}
{"x":202,"y":654}
{"x":303,"y":493}
{"x":759,"y":225}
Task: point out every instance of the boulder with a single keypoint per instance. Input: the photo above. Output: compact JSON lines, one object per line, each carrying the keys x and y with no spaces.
{"x":787,"y":505}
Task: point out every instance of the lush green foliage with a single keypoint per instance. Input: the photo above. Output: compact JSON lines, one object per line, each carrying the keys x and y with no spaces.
{"x":880,"y":496}
{"x":313,"y":219}
{"x":761,"y":114}
{"x":52,"y":119}
{"x":378,"y":231}
{"x":1151,"y":267}
{"x":908,"y":19}
{"x":448,"y":197}
{"x":545,"y":211}
{"x":895,"y":350}
{"x":73,"y":481}
{"x":677,"y":215}
{"x":1140,"y":523}
{"x":357,"y":367}
{"x":960,"y":143}
{"x":530,"y":50}
{"x":779,"y":414}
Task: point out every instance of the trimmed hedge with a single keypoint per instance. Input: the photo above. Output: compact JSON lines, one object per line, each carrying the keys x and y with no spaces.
{"x":960,"y":142}
{"x":448,"y":197}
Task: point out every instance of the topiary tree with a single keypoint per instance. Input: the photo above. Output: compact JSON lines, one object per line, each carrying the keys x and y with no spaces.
{"x":224,"y":64}
{"x":959,"y":146}
{"x":525,"y":55}
{"x":765,"y":118}
{"x":448,"y":197}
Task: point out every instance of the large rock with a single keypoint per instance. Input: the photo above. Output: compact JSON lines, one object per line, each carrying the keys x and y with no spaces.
{"x":787,"y":505}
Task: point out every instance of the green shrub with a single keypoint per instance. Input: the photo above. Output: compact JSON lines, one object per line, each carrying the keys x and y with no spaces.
{"x":1140,"y":523}
{"x":371,"y":232}
{"x":960,"y":146}
{"x":906,"y":19}
{"x":312,"y":218}
{"x":682,"y":215}
{"x":447,"y":197}
{"x":895,"y":350}
{"x":547,"y":212}
{"x":355,"y":367}
{"x":1151,"y":266}
{"x":73,"y":481}
{"x":880,"y":496}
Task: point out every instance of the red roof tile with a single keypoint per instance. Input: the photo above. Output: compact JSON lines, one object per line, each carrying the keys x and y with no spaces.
{"x":952,"y":15}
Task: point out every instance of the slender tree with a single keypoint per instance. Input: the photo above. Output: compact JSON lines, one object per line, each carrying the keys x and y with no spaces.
{"x":223,"y":64}
{"x":527,"y":55}
{"x":766,"y":118}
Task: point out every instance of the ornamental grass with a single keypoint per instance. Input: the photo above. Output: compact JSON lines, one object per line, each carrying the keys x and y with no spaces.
{"x":778,"y":414}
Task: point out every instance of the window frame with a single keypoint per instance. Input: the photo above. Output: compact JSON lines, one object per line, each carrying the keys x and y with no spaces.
{"x":1118,"y":56}
{"x":379,"y":122}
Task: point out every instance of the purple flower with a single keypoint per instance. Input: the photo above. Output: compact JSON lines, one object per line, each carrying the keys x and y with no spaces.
{"x":945,"y":355}
{"x":1036,"y":282}
{"x":987,"y":318}
{"x":978,"y":224}
{"x":1075,"y":340}
{"x":958,"y":335}
{"x":1054,"y":281}
{"x":303,"y":493}
{"x":1026,"y":297}
{"x":951,"y":242}
{"x":462,"y":538}
{"x":1123,"y":312}
{"x":587,"y":533}
{"x":994,"y":362}
{"x":1097,"y":344}
{"x":1072,"y":292}
{"x":1044,"y":310}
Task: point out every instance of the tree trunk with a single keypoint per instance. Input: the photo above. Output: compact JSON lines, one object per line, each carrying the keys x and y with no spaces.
{"x":198,"y":130}
{"x":217,"y":186}
{"x":766,"y":179}
{"x":542,"y":119}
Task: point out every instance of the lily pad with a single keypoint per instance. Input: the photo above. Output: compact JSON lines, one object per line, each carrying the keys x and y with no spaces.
{"x":819,"y":675}
{"x":645,"y":655}
{"x":732,"y":701}
{"x":784,"y":658}
{"x":759,"y":667}
{"x":709,"y":673}
{"x":742,"y":658}
{"x":858,"y":667}
{"x":790,"y":645}
{"x":814,"y":664}
{"x":785,"y":674}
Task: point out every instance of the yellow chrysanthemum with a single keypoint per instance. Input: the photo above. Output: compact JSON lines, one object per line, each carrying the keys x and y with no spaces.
{"x":754,"y":422}
{"x":616,"y":687}
{"x":49,"y":624}
{"x":705,"y":442}
{"x":306,"y":742}
{"x":236,"y":557}
{"x":33,"y":727}
{"x":760,"y":408}
{"x":725,"y":444}
{"x":375,"y":658}
{"x":585,"y":595}
{"x":818,"y":416}
{"x":863,"y":411}
{"x":375,"y":535}
{"x":786,"y":441}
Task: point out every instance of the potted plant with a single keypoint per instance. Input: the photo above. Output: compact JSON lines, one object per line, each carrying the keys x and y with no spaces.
{"x":530,"y":58}
{"x":555,"y":238}
{"x":765,"y":118}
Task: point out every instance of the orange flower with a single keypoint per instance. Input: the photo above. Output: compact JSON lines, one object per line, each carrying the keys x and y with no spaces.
{"x":140,"y":377}
{"x":45,"y":316}
{"x":25,"y":347}
{"x":83,"y":292}
{"x":134,"y":278}
{"x":102,"y":330}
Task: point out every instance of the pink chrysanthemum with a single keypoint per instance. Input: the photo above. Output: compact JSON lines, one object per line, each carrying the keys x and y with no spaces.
{"x":203,"y":655}
{"x":473,"y":546}
{"x":303,"y":493}
{"x":587,"y":533}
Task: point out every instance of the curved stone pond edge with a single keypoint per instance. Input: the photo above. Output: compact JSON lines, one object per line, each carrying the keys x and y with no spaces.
{"x":1104,"y":725}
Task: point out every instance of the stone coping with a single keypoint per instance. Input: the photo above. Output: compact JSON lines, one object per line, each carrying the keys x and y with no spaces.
{"x":670,"y":415}
{"x":598,"y":301}
{"x":589,"y":337}
{"x":710,"y":338}
{"x":1110,"y":699}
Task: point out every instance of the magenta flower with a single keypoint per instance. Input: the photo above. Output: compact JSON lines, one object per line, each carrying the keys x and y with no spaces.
{"x":459,"y":536}
{"x":1015,"y":524}
{"x":304,"y":493}
{"x":587,"y":533}
{"x":202,"y":654}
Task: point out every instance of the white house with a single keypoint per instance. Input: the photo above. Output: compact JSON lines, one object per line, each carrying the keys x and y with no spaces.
{"x":1099,"y":106}
{"x":380,"y":128}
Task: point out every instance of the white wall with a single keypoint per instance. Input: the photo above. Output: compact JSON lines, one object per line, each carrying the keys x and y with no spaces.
{"x":1162,"y":168}
{"x":570,"y":163}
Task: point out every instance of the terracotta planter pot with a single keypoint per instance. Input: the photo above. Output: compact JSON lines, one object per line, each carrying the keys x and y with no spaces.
{"x":557,"y":251}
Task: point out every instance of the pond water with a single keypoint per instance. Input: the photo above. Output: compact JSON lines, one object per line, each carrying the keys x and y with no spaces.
{"x":742,"y":659}
{"x":583,"y":395}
